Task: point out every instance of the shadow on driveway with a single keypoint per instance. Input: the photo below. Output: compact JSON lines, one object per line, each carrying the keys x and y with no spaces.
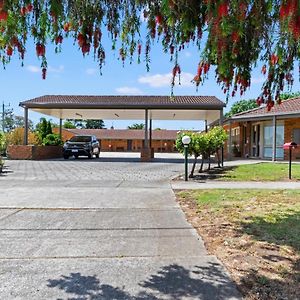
{"x":121,"y":160}
{"x":170,"y":282}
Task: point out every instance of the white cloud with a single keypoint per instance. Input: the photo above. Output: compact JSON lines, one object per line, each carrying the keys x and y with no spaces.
{"x":256,"y":80}
{"x":59,"y":69}
{"x":162,"y":80}
{"x":33,"y":69}
{"x":36,"y":69}
{"x":91,"y":71}
{"x":125,"y":90}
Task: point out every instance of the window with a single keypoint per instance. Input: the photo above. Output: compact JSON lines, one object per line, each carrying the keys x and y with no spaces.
{"x":235,"y":136}
{"x":81,"y":138}
{"x":296,"y":135}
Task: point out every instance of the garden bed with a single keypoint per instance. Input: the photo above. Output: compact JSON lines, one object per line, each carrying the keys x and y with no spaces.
{"x":268,"y":171}
{"x":31,"y":152}
{"x":255,"y":233}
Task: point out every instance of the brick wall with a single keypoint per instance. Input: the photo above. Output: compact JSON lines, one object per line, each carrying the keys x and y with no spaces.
{"x":30,"y":152}
{"x":121,"y":145}
{"x":66,"y":135}
{"x":289,"y":125}
{"x":19,"y":152}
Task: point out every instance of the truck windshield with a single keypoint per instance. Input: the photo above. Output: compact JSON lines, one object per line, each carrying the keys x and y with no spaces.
{"x":81,"y":139}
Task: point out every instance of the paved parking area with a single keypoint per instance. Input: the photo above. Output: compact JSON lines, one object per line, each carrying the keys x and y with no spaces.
{"x":101,"y":229}
{"x":110,"y":166}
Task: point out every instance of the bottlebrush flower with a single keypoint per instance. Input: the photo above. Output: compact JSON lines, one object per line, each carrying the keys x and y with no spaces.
{"x":223,"y":9}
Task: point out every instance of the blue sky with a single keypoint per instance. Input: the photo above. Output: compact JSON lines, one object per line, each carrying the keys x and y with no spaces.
{"x":70,"y":73}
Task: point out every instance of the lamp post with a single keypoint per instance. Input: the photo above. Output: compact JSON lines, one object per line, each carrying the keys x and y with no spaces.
{"x":186,"y":141}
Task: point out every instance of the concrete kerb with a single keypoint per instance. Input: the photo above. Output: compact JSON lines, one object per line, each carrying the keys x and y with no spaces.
{"x":192,"y":185}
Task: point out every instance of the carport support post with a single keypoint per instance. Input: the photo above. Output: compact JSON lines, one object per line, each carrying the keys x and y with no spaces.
{"x":150,"y":133}
{"x":274,"y":138}
{"x":60,"y":128}
{"x":146,"y":130}
{"x":25,"y":126}
{"x":205,"y":125}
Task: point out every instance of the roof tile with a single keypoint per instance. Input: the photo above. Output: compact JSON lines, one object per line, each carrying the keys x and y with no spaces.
{"x":122,"y":100}
{"x":290,"y":106}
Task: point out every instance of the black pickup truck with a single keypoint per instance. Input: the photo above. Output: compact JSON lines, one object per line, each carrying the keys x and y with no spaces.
{"x":82,"y":145}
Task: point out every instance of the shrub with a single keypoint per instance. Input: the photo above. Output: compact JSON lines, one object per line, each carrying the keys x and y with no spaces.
{"x":202,"y":143}
{"x":52,"y":139}
{"x":43,"y":128}
{"x":16,"y":137}
{"x":1,"y":164}
{"x":2,"y":144}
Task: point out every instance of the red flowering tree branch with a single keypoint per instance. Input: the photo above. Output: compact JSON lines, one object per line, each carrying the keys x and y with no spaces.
{"x":237,"y":34}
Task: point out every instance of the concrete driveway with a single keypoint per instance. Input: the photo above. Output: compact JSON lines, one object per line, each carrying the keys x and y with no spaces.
{"x":101,"y":229}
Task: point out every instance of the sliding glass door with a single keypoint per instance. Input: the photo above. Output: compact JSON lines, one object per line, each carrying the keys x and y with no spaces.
{"x":268,"y":141}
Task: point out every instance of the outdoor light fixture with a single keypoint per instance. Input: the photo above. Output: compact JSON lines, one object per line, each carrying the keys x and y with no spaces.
{"x":79,"y":115}
{"x":186,"y":141}
{"x":117,"y":115}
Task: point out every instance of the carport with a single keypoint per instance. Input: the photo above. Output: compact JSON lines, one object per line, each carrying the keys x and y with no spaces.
{"x":147,"y":108}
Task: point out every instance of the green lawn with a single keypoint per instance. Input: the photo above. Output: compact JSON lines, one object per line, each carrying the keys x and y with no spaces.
{"x":261,"y":172}
{"x":269,"y":215}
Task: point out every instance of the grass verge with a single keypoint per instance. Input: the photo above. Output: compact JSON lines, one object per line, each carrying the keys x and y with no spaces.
{"x":255,"y":233}
{"x":261,"y":172}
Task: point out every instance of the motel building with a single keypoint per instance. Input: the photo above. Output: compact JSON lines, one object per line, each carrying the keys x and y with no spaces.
{"x":259,"y":133}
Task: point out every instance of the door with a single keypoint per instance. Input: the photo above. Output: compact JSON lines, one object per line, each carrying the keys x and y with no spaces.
{"x":129,"y":145}
{"x":255,"y":140}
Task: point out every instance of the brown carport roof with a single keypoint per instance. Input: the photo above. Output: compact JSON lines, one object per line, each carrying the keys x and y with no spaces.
{"x":75,"y":101}
{"x":127,"y":107}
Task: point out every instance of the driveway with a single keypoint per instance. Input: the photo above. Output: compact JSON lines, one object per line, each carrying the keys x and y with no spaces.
{"x":101,"y":229}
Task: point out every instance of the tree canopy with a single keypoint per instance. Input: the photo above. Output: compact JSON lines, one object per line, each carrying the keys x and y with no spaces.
{"x":231,"y":35}
{"x":84,"y":124}
{"x":136,"y":126}
{"x":10,"y":121}
{"x":241,"y":106}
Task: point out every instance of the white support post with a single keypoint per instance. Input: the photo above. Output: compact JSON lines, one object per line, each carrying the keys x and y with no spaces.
{"x":230,"y":142}
{"x":274,"y":138}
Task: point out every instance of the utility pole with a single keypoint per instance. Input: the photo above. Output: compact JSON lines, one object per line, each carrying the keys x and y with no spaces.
{"x":3,"y":106}
{"x":3,"y":114}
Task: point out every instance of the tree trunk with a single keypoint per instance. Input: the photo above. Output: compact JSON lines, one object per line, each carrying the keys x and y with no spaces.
{"x":208,"y":163}
{"x":218,"y":158}
{"x":202,"y":163}
{"x":193,"y":168}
